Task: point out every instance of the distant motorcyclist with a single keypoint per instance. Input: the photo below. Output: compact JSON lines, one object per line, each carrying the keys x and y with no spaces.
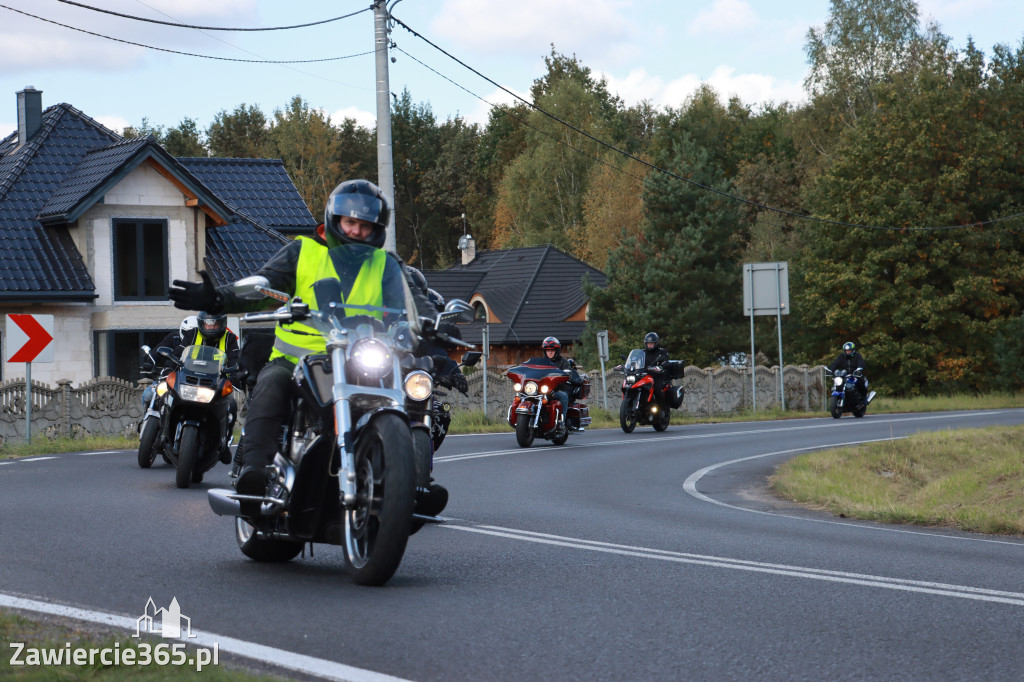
{"x":851,"y":361}
{"x":552,"y":348}
{"x":655,"y":355}
{"x":446,"y":369}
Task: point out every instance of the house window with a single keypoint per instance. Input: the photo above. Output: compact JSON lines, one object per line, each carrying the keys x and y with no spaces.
{"x":140,"y":260}
{"x":481,"y":311}
{"x":116,"y":353}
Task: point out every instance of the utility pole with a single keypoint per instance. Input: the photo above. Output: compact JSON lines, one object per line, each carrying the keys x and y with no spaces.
{"x":385,"y":162}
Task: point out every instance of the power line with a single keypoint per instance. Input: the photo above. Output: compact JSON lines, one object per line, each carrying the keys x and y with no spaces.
{"x":210,"y":28}
{"x":189,"y":54}
{"x":749,"y":202}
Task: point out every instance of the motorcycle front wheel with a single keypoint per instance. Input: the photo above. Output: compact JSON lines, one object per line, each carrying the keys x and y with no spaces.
{"x":377,"y":527}
{"x":627,"y":418}
{"x":149,"y":433}
{"x":188,"y":448}
{"x":258,"y":547}
{"x":834,"y":407}
{"x":524,"y":434}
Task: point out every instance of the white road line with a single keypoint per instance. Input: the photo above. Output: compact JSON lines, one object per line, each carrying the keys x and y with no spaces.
{"x":690,"y":487}
{"x":901,"y":584}
{"x":829,"y":424}
{"x":36,"y":459}
{"x":318,"y":667}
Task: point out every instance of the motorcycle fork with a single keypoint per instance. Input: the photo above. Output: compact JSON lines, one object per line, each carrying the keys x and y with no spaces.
{"x":342,"y":427}
{"x":535,"y":422}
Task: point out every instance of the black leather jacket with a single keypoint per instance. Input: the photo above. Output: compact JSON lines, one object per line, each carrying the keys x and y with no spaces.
{"x":849,"y":362}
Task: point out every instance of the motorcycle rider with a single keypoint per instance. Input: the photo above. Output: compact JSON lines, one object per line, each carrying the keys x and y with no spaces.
{"x":655,"y":355}
{"x":851,"y":360}
{"x":552,"y":348}
{"x":357,"y":212}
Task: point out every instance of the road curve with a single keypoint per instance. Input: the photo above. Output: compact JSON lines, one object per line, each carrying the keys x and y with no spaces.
{"x":615,"y":557}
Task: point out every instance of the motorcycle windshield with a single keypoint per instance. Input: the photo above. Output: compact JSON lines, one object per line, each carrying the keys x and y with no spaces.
{"x":367,"y":286}
{"x":636,"y":361}
{"x":527,"y":372}
{"x":205,"y":359}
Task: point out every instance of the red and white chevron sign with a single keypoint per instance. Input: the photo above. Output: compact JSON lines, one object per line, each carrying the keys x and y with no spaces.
{"x":29,"y":338}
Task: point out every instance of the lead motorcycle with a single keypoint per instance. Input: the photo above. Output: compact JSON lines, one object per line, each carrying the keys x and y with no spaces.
{"x":187,"y":418}
{"x":532,"y":412}
{"x":345,"y":470}
{"x":848,"y":393}
{"x":639,"y":404}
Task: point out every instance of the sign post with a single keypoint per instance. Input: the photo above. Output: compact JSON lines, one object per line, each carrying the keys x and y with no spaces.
{"x":766,"y":292}
{"x":602,"y":352}
{"x":485,"y":347}
{"x":29,"y":339}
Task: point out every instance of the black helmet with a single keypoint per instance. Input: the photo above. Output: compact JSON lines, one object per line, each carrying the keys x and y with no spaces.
{"x":436,"y":299}
{"x":416,"y":277}
{"x":356,"y":199}
{"x":551,"y":342}
{"x":212,"y":327}
{"x":651,"y":338}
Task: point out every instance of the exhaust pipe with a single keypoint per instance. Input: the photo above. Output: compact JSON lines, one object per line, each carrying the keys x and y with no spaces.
{"x":871,"y":396}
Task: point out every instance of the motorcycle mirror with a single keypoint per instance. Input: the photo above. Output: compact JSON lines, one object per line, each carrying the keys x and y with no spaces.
{"x":458,"y":310}
{"x":145,"y":349}
{"x":470,"y":358}
{"x":256,"y":287}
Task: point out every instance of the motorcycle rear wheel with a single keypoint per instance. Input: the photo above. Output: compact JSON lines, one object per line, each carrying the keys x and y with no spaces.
{"x":661,"y":420}
{"x":859,"y":412}
{"x":188,"y":448}
{"x":524,"y":434}
{"x":377,"y":528}
{"x":627,"y":419}
{"x":834,"y":408}
{"x":258,"y":547}
{"x":150,"y":429}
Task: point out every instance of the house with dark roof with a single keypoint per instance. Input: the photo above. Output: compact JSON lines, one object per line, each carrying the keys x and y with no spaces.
{"x":521,"y":296}
{"x":94,"y":227}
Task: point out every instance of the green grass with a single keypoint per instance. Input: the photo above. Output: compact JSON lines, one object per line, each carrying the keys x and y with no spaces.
{"x":43,"y":632}
{"x":970,"y":479}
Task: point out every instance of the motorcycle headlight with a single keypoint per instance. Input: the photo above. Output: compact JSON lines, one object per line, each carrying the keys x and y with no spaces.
{"x":418,"y":385}
{"x":530,"y":388}
{"x":631,"y":378}
{"x":161,"y":388}
{"x":371,"y":357}
{"x":544,"y":389}
{"x":199,"y":394}
{"x":838,"y":381}
{"x":517,"y":386}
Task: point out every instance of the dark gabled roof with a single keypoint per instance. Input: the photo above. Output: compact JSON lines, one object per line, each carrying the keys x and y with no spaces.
{"x":259,"y":188}
{"x":72,"y":161}
{"x":40,"y":263}
{"x":239,"y":249}
{"x":531,"y":290}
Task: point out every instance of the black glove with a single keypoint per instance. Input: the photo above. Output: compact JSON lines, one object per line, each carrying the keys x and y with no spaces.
{"x":197,"y":295}
{"x":459,"y":383}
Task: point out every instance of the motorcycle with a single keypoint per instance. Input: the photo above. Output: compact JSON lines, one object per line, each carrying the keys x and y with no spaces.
{"x":639,"y":404}
{"x":188,"y":419}
{"x":150,"y":444}
{"x":533,"y":414}
{"x":848,"y":393}
{"x":344,"y":473}
{"x":441,"y":409}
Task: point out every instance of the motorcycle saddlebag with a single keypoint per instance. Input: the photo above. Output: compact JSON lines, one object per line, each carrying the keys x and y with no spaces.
{"x":676,"y":396}
{"x":675,"y":369}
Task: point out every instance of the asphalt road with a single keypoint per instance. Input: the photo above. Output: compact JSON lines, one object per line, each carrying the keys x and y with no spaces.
{"x":615,"y":557}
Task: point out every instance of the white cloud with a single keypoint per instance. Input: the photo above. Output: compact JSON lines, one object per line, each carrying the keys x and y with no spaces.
{"x":7,"y":128}
{"x":362,"y":117}
{"x":482,"y":112}
{"x":725,"y":17}
{"x":116,"y":123}
{"x":525,"y":27}
{"x":751,"y":88}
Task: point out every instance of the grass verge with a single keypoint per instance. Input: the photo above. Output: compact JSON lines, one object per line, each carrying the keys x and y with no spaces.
{"x":970,"y":479}
{"x":40,"y":632}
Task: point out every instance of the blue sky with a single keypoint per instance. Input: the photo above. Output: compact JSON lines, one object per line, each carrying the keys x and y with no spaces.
{"x":656,"y":50}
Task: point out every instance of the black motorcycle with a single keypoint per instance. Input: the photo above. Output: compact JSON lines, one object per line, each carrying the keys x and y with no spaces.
{"x":345,"y":470}
{"x":441,"y":409}
{"x":849,"y":393}
{"x":188,"y":417}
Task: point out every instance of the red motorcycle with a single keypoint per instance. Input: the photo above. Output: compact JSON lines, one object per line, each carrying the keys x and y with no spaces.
{"x":533,"y":411}
{"x":639,"y":404}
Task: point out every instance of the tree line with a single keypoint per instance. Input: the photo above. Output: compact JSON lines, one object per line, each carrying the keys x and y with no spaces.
{"x":902,"y":133}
